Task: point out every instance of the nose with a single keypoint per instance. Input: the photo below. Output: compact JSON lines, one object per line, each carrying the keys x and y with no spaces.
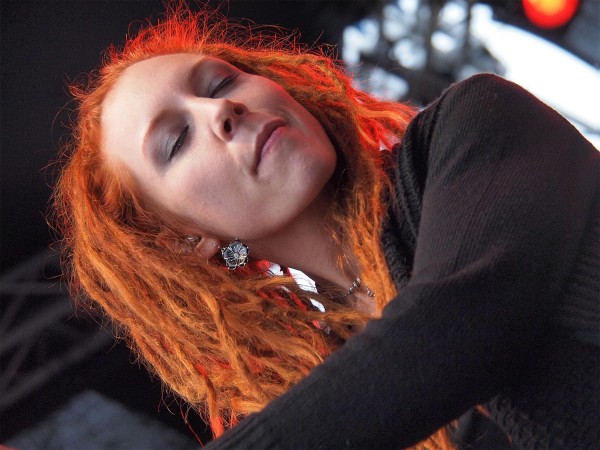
{"x":227,"y":117}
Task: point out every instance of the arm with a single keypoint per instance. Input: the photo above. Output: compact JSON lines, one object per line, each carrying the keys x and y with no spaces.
{"x":506,"y":195}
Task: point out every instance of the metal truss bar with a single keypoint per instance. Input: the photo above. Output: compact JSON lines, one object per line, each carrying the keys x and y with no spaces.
{"x":33,"y":326}
{"x":9,"y":314}
{"x":15,"y":362}
{"x":31,"y":288}
{"x":29,"y":266}
{"x":43,"y":374}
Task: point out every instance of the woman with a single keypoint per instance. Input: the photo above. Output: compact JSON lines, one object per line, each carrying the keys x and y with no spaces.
{"x":456,"y":270}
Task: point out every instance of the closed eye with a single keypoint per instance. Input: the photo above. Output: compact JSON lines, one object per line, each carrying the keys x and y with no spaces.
{"x":178,"y":143}
{"x":221,"y":84}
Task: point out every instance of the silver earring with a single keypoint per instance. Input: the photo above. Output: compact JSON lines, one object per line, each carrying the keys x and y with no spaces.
{"x":235,"y":254}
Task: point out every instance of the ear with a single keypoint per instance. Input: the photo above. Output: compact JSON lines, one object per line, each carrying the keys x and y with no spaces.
{"x":207,"y":248}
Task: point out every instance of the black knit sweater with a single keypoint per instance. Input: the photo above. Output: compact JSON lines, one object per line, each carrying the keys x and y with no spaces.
{"x":492,"y":239}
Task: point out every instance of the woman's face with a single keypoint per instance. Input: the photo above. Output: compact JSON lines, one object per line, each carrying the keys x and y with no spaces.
{"x":229,"y":152}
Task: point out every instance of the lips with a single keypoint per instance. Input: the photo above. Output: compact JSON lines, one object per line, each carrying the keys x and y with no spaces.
{"x":263,"y":139}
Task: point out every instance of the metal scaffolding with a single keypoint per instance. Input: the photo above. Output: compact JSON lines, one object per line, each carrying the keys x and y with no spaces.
{"x":40,"y":337}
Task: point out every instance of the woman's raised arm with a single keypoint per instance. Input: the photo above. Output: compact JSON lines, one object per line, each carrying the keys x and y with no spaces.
{"x":507,"y":188}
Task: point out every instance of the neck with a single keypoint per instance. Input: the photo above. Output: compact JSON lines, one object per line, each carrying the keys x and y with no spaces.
{"x":307,"y":245}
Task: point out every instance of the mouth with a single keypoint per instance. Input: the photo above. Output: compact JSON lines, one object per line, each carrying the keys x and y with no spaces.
{"x":265,"y":140}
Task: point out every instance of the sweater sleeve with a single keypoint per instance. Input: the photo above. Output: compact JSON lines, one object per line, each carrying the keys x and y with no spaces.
{"x":506,"y":188}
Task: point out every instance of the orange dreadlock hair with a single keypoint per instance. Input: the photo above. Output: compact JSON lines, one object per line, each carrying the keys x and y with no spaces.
{"x":226,"y":342}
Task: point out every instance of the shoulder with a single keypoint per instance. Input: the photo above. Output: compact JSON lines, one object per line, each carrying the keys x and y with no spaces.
{"x":489,"y":130}
{"x":488,"y":89}
{"x":490,"y":108}
{"x":486,"y":117}
{"x":487,"y":104}
{"x":484,"y":87}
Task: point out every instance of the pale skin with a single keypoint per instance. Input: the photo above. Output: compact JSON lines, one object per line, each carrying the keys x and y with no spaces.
{"x":232,"y":154}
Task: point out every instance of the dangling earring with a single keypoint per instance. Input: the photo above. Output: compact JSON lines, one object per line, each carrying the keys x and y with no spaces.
{"x":235,"y":254}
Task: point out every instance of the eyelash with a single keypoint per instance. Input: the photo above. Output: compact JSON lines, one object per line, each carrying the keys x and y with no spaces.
{"x":179,"y":142}
{"x":222,"y":84}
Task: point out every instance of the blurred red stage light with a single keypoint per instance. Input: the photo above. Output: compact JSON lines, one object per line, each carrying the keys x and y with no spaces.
{"x":550,"y":13}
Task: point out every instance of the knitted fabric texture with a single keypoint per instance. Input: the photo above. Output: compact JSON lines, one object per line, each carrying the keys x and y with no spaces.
{"x":488,"y":238}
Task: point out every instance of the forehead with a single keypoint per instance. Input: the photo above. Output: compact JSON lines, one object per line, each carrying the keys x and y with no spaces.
{"x":137,"y":81}
{"x":155,"y":70}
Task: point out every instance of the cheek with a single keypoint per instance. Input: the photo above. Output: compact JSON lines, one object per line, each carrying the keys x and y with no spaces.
{"x":204,"y":199}
{"x":272,"y":93}
{"x":193,"y":191}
